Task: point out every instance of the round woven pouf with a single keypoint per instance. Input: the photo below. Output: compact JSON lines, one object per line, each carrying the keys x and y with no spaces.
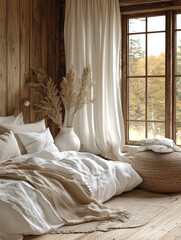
{"x":160,"y":172}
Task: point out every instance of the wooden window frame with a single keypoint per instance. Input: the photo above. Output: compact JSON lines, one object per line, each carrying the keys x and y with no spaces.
{"x":174,"y":75}
{"x":169,"y":83}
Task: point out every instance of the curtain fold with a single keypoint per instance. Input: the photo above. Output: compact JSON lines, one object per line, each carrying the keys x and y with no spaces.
{"x":92,"y":36}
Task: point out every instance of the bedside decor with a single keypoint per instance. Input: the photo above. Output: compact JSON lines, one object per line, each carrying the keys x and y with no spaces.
{"x":66,"y":140}
{"x":160,"y":171}
{"x":73,"y":94}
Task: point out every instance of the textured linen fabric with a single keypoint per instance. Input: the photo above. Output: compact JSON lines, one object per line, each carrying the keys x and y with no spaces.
{"x":92,"y":36}
{"x":160,"y":145}
{"x":157,"y":145}
{"x":8,"y":146}
{"x":31,"y":127}
{"x":66,"y":188}
{"x":36,"y":142}
{"x":4,"y":236}
{"x":24,"y":210}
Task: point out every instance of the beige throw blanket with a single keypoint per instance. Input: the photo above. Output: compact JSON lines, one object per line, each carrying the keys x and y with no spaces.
{"x":70,"y":198}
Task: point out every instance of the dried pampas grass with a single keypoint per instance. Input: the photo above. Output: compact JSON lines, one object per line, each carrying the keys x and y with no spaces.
{"x":50,"y":104}
{"x":73,"y":94}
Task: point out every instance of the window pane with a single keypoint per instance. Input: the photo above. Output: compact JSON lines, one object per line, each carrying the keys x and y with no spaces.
{"x":156,"y":99}
{"x":156,"y":54}
{"x":137,"y":99}
{"x":156,"y":129}
{"x":156,"y":23}
{"x":137,"y":55}
{"x":178,"y":133}
{"x":136,"y":131}
{"x":178,"y":99}
{"x":137,"y":25}
{"x":178,"y":21}
{"x":178,"y":52}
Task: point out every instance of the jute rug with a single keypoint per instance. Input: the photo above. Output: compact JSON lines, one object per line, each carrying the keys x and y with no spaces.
{"x":141,"y":205}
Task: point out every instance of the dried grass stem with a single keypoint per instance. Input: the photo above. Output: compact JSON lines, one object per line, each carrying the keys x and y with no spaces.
{"x":73,"y":94}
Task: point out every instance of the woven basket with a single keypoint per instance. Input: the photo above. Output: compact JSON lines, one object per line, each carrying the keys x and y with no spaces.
{"x":160,"y":172}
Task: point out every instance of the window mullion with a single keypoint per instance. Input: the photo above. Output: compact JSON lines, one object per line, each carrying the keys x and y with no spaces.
{"x":146,"y":81}
{"x":168,"y":73}
{"x":124,"y":76}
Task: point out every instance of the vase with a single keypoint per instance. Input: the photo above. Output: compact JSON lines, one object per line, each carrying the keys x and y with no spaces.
{"x":67,"y":140}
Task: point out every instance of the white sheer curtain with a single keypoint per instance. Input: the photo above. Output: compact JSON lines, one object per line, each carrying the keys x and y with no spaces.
{"x":92,"y":36}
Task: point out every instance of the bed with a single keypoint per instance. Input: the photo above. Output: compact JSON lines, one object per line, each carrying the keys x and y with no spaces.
{"x":42,"y":189}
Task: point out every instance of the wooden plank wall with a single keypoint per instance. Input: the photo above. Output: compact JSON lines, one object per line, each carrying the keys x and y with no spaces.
{"x":31,"y":35}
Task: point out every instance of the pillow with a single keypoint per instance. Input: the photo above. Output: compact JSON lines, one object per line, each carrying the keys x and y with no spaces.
{"x":31,"y":127}
{"x":8,"y":146}
{"x":17,"y":120}
{"x":36,"y":142}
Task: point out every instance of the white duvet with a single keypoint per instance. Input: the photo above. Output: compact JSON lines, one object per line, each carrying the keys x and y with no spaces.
{"x":24,"y":210}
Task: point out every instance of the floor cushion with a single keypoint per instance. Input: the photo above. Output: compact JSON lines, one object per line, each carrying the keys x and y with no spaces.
{"x":160,"y":172}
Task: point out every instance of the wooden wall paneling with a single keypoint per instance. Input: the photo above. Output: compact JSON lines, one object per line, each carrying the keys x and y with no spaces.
{"x":35,"y":49}
{"x":30,"y":36}
{"x":60,"y":57}
{"x":53,"y":52}
{"x":58,"y":39}
{"x":13,"y":58}
{"x":61,"y":39}
{"x":24,"y":56}
{"x":50,"y":49}
{"x":57,"y":52}
{"x":59,"y":44}
{"x":3,"y":81}
{"x":31,"y":77}
{"x":53,"y":41}
{"x":44,"y":38}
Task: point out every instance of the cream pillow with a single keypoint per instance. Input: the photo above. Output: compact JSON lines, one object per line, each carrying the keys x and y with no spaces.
{"x":31,"y":127}
{"x":36,"y":142}
{"x":8,"y":146}
{"x":17,"y":120}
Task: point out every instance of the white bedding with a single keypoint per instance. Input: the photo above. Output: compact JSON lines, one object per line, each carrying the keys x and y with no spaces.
{"x":158,"y":145}
{"x":24,"y":210}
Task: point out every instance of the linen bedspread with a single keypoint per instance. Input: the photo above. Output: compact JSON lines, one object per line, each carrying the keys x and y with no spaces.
{"x":75,"y":184}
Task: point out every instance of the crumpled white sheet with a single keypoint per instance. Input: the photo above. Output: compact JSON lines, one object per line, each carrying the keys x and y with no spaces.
{"x":24,"y":210}
{"x":159,"y":145}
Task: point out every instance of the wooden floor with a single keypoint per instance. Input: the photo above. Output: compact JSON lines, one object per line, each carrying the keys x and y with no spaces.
{"x":165,"y":226}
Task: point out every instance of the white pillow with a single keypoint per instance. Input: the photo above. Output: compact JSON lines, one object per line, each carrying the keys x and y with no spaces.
{"x":16,"y":120}
{"x":36,"y":142}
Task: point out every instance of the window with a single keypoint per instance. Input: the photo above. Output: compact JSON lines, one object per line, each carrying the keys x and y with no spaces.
{"x":177,"y":78}
{"x":152,"y":75}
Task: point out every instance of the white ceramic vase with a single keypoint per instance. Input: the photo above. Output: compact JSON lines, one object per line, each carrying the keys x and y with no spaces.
{"x":67,"y":140}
